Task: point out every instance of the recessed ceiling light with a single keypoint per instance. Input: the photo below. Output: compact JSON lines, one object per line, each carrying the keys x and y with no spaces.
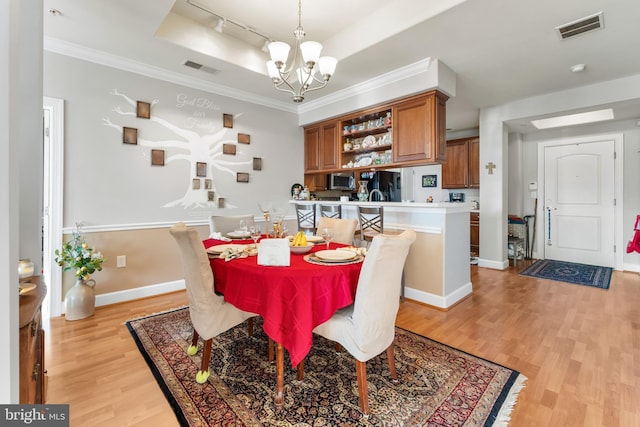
{"x":574,"y":119}
{"x":577,"y":68}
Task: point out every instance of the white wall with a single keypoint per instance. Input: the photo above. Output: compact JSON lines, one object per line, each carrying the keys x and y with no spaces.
{"x":110,"y":183}
{"x":20,"y":168}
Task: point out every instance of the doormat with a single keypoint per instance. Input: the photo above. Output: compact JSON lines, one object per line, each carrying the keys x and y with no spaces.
{"x":569,"y":272}
{"x":438,"y":385}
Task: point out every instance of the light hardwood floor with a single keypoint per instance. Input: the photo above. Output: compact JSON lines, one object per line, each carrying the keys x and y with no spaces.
{"x":579,"y":348}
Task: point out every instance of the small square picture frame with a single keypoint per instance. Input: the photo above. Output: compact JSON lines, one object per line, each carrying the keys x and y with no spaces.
{"x":195,"y":184}
{"x":429,"y":180}
{"x":208,"y":184}
{"x":229,"y":149}
{"x":129,"y":136}
{"x":143,"y":110}
{"x":242,"y":177}
{"x":221,"y":202}
{"x":257,"y":163}
{"x":201,"y":169}
{"x":227,"y":120}
{"x":157,"y":157}
{"x":211,"y":196}
{"x":244,"y":138}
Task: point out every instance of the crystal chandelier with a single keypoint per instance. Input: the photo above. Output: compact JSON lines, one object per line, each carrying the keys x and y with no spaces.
{"x":304,"y":66}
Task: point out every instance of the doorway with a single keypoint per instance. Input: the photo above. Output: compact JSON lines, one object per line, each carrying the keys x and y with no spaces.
{"x":580,"y":200}
{"x":53,"y":147}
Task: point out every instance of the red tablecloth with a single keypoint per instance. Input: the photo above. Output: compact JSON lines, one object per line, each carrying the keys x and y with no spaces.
{"x":292,"y":300}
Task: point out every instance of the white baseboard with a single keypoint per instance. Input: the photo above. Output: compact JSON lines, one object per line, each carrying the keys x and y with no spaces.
{"x":437,"y":300}
{"x":137,"y":293}
{"x":496,"y":265}
{"x":635,"y":268}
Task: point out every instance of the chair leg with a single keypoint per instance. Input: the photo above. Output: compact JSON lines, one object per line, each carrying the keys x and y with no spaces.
{"x":203,"y":373}
{"x":270,"y":352}
{"x":300,"y":369}
{"x":392,"y":362}
{"x":250,"y":326}
{"x":361,"y":374}
{"x":193,"y":348}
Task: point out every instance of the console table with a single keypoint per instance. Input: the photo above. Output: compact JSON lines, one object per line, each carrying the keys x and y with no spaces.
{"x":32,"y":373}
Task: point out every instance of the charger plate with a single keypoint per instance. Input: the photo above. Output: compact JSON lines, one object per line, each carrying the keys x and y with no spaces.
{"x":218,"y":249}
{"x":312,"y":259}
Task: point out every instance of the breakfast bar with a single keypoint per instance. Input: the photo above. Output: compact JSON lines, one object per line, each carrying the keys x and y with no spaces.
{"x":437,"y":270}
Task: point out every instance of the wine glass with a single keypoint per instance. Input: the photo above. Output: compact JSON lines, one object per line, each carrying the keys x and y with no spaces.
{"x":255,"y":235}
{"x":243,"y":228}
{"x":327,"y":235}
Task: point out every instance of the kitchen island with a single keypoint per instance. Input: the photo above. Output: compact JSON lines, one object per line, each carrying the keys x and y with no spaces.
{"x":437,"y":270}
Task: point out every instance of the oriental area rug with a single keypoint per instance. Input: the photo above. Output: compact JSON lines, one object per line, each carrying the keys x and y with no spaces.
{"x":438,"y":385}
{"x":569,"y":272}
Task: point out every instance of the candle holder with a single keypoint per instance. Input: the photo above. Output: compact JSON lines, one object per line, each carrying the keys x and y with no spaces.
{"x":265,"y":207}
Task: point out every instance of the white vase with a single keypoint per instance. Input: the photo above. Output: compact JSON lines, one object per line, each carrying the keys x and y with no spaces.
{"x":80,"y":301}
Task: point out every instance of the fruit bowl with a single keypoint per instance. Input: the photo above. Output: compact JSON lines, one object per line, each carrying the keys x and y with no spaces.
{"x":301,"y":249}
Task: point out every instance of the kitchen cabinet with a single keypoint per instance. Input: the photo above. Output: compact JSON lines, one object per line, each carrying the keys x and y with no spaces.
{"x":406,"y":132}
{"x":419,"y":129}
{"x":475,"y":234}
{"x":32,"y":372}
{"x":321,"y":147}
{"x":461,"y":168}
{"x":315,"y":182}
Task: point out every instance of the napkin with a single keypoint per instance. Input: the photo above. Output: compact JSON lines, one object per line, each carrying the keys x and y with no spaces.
{"x":218,"y":236}
{"x":274,"y":252}
{"x":232,"y":253}
{"x":359,"y":251}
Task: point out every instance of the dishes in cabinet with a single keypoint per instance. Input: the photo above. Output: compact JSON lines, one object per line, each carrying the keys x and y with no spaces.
{"x":369,"y":141}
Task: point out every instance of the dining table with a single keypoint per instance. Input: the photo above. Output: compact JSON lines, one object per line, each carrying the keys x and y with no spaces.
{"x":292,"y":300}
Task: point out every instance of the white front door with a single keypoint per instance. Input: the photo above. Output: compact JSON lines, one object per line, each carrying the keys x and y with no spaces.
{"x":579,"y":203}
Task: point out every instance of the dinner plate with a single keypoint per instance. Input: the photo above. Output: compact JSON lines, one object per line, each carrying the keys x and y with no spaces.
{"x":313,"y":259}
{"x":218,"y":249}
{"x":239,"y":234}
{"x":335,"y":255}
{"x":27,"y":287}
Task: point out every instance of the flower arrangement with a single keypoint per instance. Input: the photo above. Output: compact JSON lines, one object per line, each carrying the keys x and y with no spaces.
{"x":77,"y":254}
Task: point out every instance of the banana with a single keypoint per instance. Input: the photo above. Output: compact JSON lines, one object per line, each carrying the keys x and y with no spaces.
{"x":303,"y":239}
{"x":296,"y":239}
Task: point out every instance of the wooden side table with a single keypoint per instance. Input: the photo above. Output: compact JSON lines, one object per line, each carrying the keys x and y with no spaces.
{"x":32,"y":372}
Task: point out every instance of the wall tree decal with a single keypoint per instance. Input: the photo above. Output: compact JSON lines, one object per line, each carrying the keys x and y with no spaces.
{"x":192,"y":148}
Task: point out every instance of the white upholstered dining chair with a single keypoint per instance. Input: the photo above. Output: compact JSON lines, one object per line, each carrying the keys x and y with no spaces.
{"x":343,"y":229}
{"x":367,"y":327}
{"x":210,"y":314}
{"x":227,"y":224}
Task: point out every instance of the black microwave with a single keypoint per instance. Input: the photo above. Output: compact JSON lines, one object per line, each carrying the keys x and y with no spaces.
{"x":341,"y":181}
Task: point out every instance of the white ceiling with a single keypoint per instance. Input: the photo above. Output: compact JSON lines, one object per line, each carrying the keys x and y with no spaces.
{"x":501,"y":50}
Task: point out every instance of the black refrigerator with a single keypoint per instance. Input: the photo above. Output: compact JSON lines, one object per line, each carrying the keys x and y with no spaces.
{"x":389,"y":183}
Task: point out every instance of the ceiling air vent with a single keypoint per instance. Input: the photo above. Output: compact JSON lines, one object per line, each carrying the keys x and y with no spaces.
{"x":192,"y":64}
{"x":203,"y":68}
{"x":581,"y":26}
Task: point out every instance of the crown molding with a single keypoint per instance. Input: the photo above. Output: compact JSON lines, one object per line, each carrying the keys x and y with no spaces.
{"x":118,"y":62}
{"x":80,"y":52}
{"x":393,"y":76}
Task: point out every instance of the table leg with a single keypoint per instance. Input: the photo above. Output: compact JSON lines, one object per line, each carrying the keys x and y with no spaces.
{"x":279,"y":374}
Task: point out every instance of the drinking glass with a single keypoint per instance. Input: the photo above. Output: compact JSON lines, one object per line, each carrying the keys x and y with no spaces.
{"x":243,"y":227}
{"x":255,"y":235}
{"x":327,"y":235}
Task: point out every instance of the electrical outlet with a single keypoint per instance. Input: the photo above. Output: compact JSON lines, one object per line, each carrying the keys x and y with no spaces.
{"x":121,"y":261}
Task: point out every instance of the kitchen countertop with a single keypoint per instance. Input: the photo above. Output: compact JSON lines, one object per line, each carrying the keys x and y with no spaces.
{"x":462,"y":205}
